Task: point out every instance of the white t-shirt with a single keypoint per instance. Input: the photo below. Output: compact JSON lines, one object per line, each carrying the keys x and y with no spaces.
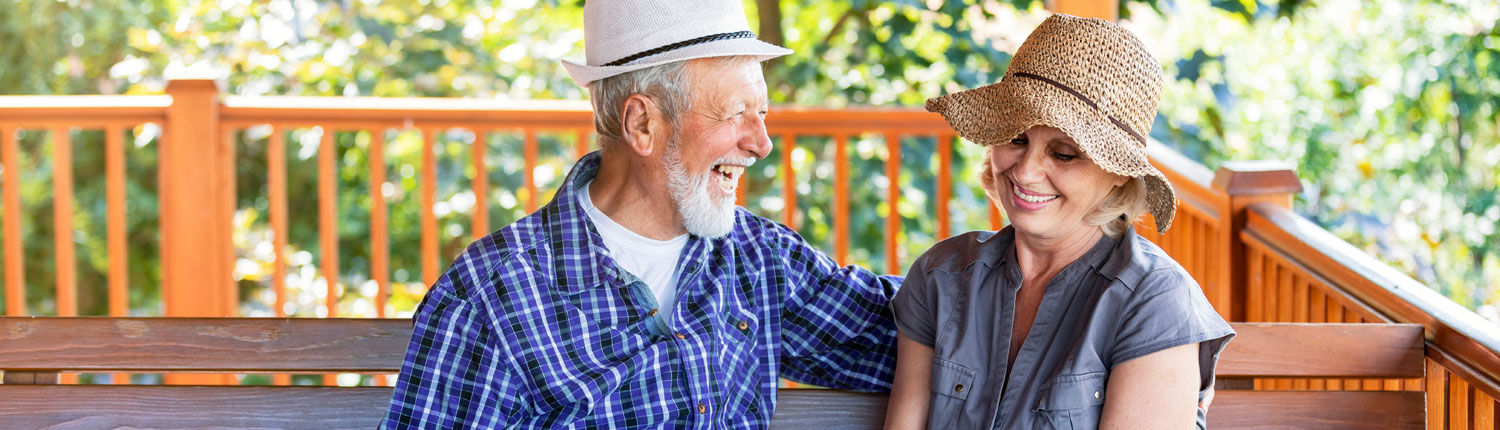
{"x":654,"y":261}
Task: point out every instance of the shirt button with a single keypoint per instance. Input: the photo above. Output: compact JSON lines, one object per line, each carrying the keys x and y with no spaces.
{"x":702,"y":408}
{"x":652,"y":313}
{"x":743,"y":325}
{"x":1098,"y":394}
{"x":958,"y":388}
{"x":681,"y":336}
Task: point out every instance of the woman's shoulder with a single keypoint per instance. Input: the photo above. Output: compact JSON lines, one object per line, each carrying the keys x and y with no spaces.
{"x":1138,"y":262}
{"x":957,"y":253}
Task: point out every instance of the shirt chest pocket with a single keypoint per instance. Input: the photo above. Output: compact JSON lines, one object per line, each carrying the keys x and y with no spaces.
{"x":1073,"y":401}
{"x":951,"y":385}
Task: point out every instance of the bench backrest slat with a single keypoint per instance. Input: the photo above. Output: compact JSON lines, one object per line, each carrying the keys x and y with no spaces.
{"x":1324,"y":410}
{"x":220,"y":345}
{"x":241,"y":345}
{"x":1288,"y":350}
{"x":184,"y":407}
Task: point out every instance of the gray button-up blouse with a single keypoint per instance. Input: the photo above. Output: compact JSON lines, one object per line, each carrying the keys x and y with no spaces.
{"x":1123,"y":299}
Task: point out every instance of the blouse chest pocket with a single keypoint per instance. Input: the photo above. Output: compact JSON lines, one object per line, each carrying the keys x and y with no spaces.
{"x":1073,"y":401}
{"x":951,"y":385}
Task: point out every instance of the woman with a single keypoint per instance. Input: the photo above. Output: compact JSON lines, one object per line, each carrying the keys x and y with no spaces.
{"x":1066,"y":318}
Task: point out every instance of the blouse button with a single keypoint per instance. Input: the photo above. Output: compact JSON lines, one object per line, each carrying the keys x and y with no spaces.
{"x":652,"y":313}
{"x":1097,"y":394}
{"x":743,"y":325}
{"x":958,"y":388}
{"x":681,"y":336}
{"x":702,"y":408}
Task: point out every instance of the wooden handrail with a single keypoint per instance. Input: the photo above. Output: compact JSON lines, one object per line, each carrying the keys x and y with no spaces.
{"x":82,"y":111}
{"x":1450,"y":328}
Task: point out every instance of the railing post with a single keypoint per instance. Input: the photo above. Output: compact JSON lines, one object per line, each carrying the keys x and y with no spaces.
{"x":1108,"y":10}
{"x":1246,"y":182}
{"x":197,"y":204}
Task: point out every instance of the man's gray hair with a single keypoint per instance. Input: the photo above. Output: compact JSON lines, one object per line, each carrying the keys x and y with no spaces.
{"x":666,"y":84}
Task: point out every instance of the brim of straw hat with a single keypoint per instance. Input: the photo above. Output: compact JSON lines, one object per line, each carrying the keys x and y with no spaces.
{"x":999,"y":112}
{"x":584,"y":74}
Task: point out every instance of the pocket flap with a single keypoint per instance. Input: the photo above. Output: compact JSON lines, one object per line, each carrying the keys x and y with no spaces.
{"x":1073,"y":392}
{"x":952,"y":379}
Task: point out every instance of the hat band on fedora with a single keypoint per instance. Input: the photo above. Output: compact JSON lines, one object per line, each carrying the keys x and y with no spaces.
{"x":1121,"y":124}
{"x":683,"y":44}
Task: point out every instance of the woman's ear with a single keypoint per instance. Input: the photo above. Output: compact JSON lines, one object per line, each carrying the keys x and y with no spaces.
{"x":639,"y":113}
{"x":1120,"y":180}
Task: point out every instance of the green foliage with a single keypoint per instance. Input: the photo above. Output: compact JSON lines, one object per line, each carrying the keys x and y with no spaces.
{"x":1386,"y":108}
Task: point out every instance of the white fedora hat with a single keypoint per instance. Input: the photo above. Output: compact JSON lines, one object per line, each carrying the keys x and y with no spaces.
{"x":625,"y":35}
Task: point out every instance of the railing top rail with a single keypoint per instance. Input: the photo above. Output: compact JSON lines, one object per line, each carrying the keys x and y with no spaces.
{"x":564,"y":114}
{"x":47,"y":110}
{"x":1454,"y":329}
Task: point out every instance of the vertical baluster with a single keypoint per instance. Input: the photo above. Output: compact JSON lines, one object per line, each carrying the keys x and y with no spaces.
{"x":1484,"y":411}
{"x":429,"y":220}
{"x":1317,"y":313}
{"x":62,"y":222}
{"x":480,"y":219}
{"x":379,"y":235}
{"x":997,"y":220}
{"x":532,"y":198}
{"x":328,"y":233}
{"x":114,"y":172}
{"x":1458,"y":403}
{"x":1334,"y":314}
{"x":840,"y":199}
{"x":893,"y":199}
{"x":15,"y":275}
{"x":581,"y":143}
{"x":1255,"y":296}
{"x":788,"y":180}
{"x":944,"y":185}
{"x":1437,"y":396}
{"x":276,"y":181}
{"x":1351,"y":316}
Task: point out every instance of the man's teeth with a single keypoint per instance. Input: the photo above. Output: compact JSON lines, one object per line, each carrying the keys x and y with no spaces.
{"x":1030,"y":198}
{"x":728,"y":177}
{"x":732,"y":171}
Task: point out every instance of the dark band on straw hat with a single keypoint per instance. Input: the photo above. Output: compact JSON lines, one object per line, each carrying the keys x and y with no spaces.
{"x":683,"y":44}
{"x":1086,"y":100}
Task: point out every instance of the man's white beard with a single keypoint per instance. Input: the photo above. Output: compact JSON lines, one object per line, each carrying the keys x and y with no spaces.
{"x":701,"y":215}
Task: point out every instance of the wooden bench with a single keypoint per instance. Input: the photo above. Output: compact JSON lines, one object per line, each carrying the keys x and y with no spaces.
{"x":34,"y":350}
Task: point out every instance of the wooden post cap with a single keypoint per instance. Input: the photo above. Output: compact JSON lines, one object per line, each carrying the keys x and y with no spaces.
{"x":1238,"y":178}
{"x":177,"y":85}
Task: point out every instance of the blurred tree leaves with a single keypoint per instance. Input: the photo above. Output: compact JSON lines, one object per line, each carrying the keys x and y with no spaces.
{"x":1387,"y":108}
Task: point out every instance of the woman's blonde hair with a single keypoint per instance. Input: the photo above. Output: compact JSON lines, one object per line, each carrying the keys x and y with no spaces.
{"x":1115,"y":213}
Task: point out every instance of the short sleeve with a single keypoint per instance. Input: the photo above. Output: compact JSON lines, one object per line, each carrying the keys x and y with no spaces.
{"x":1168,"y":309}
{"x":915,"y":306}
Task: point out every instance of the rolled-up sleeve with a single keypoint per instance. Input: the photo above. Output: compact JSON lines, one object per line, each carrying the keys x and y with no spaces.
{"x":915,"y":306}
{"x":1167,"y":309}
{"x":836,"y":329}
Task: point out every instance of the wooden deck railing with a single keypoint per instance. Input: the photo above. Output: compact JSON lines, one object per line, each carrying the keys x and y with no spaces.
{"x":1234,"y":231}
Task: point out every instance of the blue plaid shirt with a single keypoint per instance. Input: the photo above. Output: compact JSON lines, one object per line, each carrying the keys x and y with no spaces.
{"x":535,"y":326}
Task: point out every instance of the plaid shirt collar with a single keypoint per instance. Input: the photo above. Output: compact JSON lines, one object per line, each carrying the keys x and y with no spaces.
{"x":566,"y":213}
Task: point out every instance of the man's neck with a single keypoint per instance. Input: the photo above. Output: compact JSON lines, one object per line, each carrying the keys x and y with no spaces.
{"x":633,"y":192}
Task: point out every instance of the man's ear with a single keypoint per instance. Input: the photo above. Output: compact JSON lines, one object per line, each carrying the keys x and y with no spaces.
{"x":639,"y":118}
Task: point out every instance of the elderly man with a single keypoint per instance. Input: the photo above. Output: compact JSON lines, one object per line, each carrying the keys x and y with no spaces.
{"x":641,"y":296}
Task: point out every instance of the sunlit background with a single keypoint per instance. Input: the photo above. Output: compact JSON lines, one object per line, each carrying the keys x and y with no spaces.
{"x":1387,"y":109}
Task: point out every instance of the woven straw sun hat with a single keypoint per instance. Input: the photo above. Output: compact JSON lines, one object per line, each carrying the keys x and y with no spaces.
{"x":626,"y":35}
{"x":1089,"y":78}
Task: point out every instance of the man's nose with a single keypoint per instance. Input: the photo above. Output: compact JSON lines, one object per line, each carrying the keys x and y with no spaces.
{"x":756,"y":141}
